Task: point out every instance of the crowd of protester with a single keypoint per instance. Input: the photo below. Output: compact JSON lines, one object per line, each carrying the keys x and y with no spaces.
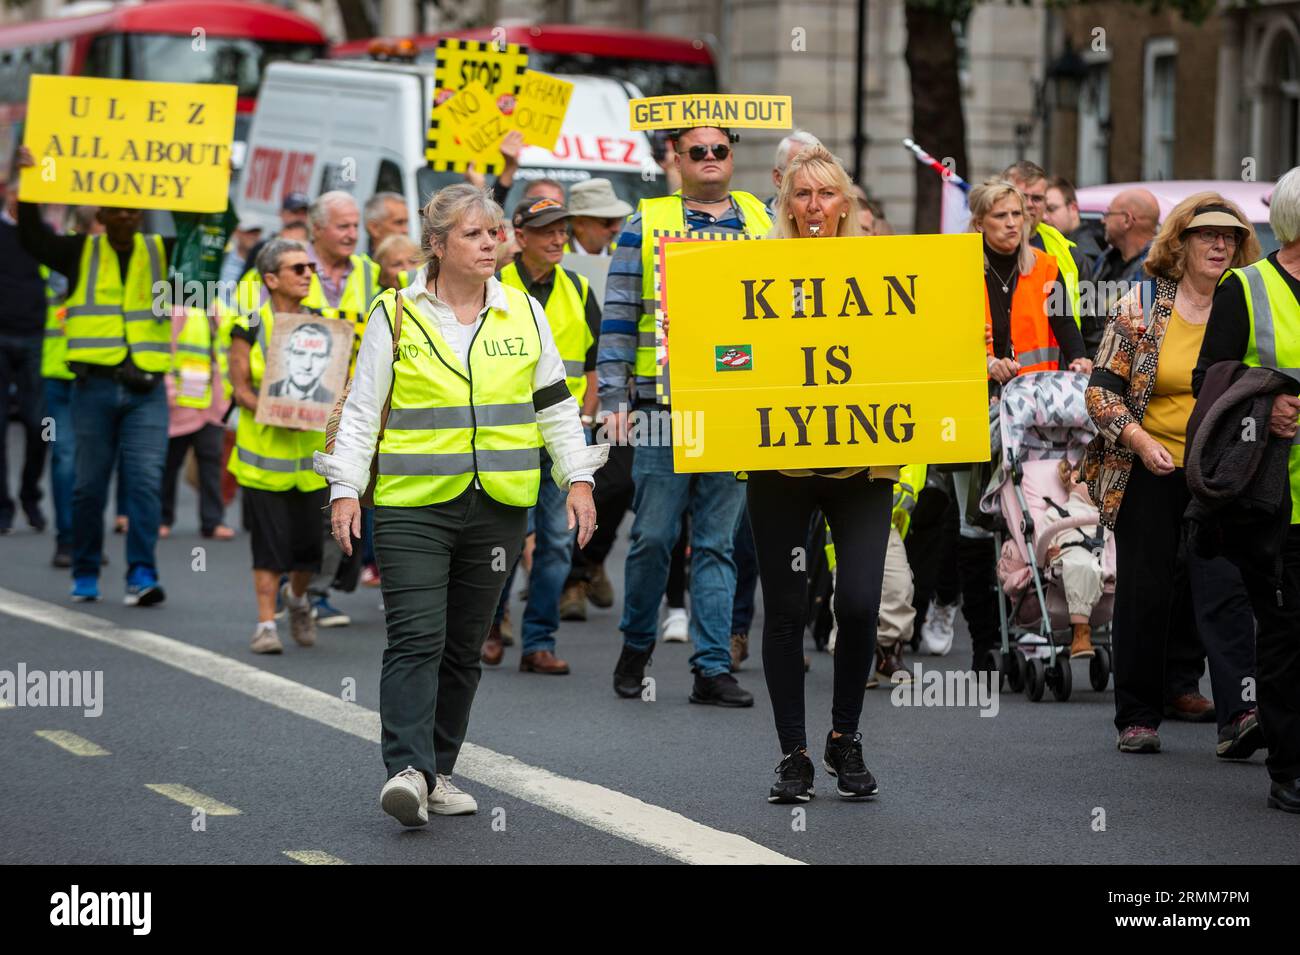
{"x":1147,"y":311}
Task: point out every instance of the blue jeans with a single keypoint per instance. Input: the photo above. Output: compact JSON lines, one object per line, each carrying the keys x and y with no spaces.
{"x":63,"y":447}
{"x":552,"y":557}
{"x":715,"y":502}
{"x":109,"y":419}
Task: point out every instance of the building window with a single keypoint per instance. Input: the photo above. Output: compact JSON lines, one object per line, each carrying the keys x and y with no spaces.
{"x":1280,"y":95}
{"x":1158,"y":113}
{"x":1094,"y":125}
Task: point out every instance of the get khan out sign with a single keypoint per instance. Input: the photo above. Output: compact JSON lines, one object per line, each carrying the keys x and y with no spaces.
{"x":129,"y":143}
{"x":825,"y":353}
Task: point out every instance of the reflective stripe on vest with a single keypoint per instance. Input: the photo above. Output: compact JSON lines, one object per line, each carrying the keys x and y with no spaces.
{"x":106,"y":317}
{"x":668,"y":214}
{"x":1058,"y":247}
{"x":566,"y":311}
{"x":193,"y":367}
{"x":54,"y":349}
{"x":270,"y":458}
{"x":451,"y":423}
{"x":1032,"y":341}
{"x":1269,"y":298}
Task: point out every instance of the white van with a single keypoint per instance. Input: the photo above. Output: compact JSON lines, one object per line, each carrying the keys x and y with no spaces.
{"x":361,"y":127}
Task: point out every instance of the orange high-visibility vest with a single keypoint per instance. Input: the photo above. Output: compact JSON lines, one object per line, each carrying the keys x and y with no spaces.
{"x":1032,"y":341}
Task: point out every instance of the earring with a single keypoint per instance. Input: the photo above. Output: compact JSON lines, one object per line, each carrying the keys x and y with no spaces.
{"x":790,"y":216}
{"x":844,"y":215}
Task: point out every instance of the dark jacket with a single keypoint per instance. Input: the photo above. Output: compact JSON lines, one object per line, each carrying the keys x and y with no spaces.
{"x":1237,"y":470}
{"x":22,"y":288}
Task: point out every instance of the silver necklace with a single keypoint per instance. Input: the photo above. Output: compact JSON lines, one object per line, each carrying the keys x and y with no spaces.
{"x":1006,"y":282}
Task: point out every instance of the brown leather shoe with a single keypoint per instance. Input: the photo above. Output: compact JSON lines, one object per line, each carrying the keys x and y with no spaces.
{"x":739,"y":650}
{"x":573,"y":601}
{"x":889,"y":666}
{"x":599,"y":590}
{"x":543,"y":661}
{"x":493,"y":649}
{"x":1190,"y":708}
{"x":1081,"y":645}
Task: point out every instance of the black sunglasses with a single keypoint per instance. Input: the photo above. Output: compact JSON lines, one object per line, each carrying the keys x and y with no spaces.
{"x":697,"y":153}
{"x":300,"y":268}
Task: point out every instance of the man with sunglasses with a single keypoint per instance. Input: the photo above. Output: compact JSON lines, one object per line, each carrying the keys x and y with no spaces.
{"x":628,"y":371}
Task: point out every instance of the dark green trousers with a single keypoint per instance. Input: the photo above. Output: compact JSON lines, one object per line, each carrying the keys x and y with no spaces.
{"x":442,"y":569}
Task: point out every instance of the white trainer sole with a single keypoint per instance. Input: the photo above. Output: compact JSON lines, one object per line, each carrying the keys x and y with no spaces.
{"x":404,"y":805}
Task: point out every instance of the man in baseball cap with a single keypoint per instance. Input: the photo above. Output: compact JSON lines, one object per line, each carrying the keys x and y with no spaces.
{"x":572,"y":318}
{"x":597,"y":217}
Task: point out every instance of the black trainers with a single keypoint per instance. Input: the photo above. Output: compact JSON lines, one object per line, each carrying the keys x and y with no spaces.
{"x":844,"y":761}
{"x":629,"y":672}
{"x":1240,"y":738}
{"x":794,"y":779}
{"x":720,"y":690}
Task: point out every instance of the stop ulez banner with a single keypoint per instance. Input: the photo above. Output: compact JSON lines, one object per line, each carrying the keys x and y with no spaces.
{"x":128,"y":143}
{"x":826,"y":353}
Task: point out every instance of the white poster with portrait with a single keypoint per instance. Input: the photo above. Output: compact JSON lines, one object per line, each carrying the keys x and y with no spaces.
{"x":306,"y":369}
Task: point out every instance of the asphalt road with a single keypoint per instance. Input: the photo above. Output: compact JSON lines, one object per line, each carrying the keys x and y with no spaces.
{"x":593,"y":778}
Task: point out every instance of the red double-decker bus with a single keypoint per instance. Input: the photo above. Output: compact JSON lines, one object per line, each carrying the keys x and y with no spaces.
{"x":175,"y":41}
{"x":657,"y":65}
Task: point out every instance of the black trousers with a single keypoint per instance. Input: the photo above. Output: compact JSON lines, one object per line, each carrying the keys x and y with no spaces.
{"x":1277,"y":650}
{"x":1157,"y":594}
{"x":613,"y":498}
{"x":207,"y":443}
{"x":858,"y":511}
{"x":442,"y":569}
{"x":20,"y":367}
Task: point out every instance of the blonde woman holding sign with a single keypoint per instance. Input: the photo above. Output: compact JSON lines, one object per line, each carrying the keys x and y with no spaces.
{"x":816,"y":200}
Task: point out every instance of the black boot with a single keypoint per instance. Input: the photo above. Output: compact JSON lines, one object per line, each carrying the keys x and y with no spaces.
{"x":720,"y":690}
{"x":629,"y":672}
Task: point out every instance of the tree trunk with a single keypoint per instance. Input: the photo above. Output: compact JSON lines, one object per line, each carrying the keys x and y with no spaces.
{"x":938,"y":119}
{"x":356,"y":20}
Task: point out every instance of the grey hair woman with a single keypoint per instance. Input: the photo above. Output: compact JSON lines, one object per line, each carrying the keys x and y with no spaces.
{"x":457,"y":467}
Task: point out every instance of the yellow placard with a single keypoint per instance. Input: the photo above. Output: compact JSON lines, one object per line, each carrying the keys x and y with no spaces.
{"x":128,"y":143}
{"x":540,"y":107}
{"x":472,"y":117}
{"x":712,"y":109}
{"x":824,"y":353}
{"x":498,"y":68}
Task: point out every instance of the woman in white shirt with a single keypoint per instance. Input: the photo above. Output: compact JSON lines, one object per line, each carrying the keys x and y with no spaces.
{"x":477,"y":387}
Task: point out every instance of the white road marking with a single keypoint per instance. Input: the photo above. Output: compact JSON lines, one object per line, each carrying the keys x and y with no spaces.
{"x":193,"y":798}
{"x":313,"y":857}
{"x":607,"y":810}
{"x":77,"y":745}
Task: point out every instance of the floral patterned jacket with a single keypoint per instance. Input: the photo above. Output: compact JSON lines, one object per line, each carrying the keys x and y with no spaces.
{"x":1123,"y":378}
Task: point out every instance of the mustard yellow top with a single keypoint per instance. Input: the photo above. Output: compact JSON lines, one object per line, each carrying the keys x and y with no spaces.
{"x":1171,"y":400}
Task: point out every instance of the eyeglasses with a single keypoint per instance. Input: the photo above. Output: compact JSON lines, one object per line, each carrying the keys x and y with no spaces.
{"x":697,"y":153}
{"x":1113,"y":212}
{"x":1211,"y":236}
{"x":299,"y":268}
{"x":1037,"y":198}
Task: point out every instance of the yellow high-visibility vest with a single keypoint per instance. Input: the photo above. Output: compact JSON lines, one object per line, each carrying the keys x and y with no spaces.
{"x":266,"y":457}
{"x":1274,"y":340}
{"x":194,"y":358}
{"x":451,"y":423}
{"x":54,"y":349}
{"x":1058,"y":247}
{"x":107,"y":319}
{"x":566,"y":311}
{"x":668,"y":214}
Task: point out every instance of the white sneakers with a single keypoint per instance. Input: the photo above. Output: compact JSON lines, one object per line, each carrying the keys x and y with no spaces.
{"x":449,"y":800}
{"x":936,"y":632}
{"x":676,"y":625}
{"x":404,"y":797}
{"x":1034,"y":645}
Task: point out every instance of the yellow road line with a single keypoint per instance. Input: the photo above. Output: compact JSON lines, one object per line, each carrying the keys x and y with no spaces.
{"x":74,"y":744}
{"x":190,"y":797}
{"x":313,"y":857}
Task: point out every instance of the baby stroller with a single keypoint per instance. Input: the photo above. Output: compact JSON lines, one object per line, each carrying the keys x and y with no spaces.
{"x":1041,"y":419}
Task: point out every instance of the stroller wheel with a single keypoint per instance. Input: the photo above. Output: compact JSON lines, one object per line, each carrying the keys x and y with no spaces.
{"x":1099,"y":669}
{"x":992,"y":663}
{"x":1063,"y":678}
{"x":1035,"y":679}
{"x":1016,"y":670}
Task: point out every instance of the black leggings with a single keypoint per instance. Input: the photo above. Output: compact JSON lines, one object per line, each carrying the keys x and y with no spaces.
{"x":858,"y":511}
